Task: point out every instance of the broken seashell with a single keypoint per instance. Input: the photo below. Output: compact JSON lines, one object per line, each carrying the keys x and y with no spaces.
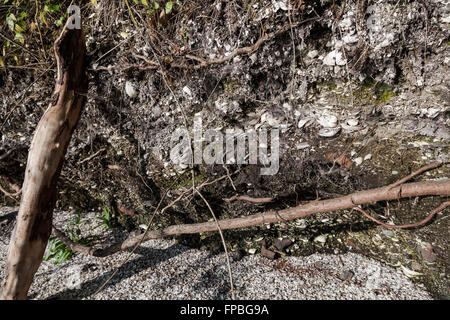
{"x":328,"y":121}
{"x":328,"y":132}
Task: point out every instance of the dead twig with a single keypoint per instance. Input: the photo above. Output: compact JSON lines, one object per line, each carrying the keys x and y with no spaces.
{"x":244,"y":50}
{"x":229,"y":177}
{"x":91,"y":157}
{"x":431,"y":166}
{"x":223,"y":242}
{"x":11,"y":195}
{"x":249,"y":199}
{"x":6,"y":154}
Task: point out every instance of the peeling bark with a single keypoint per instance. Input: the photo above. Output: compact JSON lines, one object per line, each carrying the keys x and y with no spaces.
{"x":45,"y":160}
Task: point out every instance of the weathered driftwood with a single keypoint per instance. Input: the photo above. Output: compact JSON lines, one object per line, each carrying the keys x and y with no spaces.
{"x":45,"y":159}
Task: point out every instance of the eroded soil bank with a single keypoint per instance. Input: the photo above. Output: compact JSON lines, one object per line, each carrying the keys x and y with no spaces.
{"x":365,"y":80}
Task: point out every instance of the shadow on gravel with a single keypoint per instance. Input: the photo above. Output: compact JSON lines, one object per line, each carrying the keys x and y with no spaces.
{"x":129,"y":269}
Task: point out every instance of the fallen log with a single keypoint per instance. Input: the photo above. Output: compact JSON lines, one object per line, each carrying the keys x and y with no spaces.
{"x":45,"y":160}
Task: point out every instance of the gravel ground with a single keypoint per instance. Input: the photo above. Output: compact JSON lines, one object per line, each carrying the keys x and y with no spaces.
{"x":164,"y":269}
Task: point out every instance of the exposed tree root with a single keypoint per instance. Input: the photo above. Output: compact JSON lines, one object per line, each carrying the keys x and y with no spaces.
{"x":249,"y":199}
{"x":410,"y":225}
{"x":425,"y":188}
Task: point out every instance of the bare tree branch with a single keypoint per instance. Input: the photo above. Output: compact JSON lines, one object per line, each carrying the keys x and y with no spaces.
{"x":45,"y":160}
{"x":426,"y":188}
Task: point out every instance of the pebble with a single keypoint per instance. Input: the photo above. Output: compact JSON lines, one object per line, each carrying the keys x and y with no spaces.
{"x":312,"y":54}
{"x":358,"y":161}
{"x":302,"y":145}
{"x":130,"y":89}
{"x":346,"y":275}
{"x":187,"y":90}
{"x":321,"y":239}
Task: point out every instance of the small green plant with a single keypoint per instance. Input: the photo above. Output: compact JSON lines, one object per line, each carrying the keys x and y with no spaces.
{"x":105,"y":221}
{"x":58,"y":250}
{"x":154,"y":5}
{"x":23,"y":19}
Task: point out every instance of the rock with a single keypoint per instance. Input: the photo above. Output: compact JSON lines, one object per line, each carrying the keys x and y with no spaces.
{"x":312,"y":54}
{"x":130,"y":89}
{"x":387,"y":232}
{"x":426,"y":251}
{"x":334,"y":58}
{"x":321,"y":239}
{"x":187,"y":90}
{"x":432,"y":113}
{"x":267,"y":253}
{"x":346,"y":275}
{"x":282,"y":244}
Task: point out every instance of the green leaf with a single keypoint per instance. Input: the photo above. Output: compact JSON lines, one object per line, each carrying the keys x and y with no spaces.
{"x":144,"y":2}
{"x":18,"y":28}
{"x":42,"y":16}
{"x":156,"y":5}
{"x":169,"y":6}
{"x":60,"y":21}
{"x":10,"y":21}
{"x":53,"y":7}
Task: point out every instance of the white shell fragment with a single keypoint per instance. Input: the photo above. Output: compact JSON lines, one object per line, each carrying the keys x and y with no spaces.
{"x":187,"y":91}
{"x":409,"y":273}
{"x":304,"y":122}
{"x":302,"y":145}
{"x":334,"y":58}
{"x":321,"y":239}
{"x":328,"y":132}
{"x":358,"y":161}
{"x":130,"y":90}
{"x":328,"y":121}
